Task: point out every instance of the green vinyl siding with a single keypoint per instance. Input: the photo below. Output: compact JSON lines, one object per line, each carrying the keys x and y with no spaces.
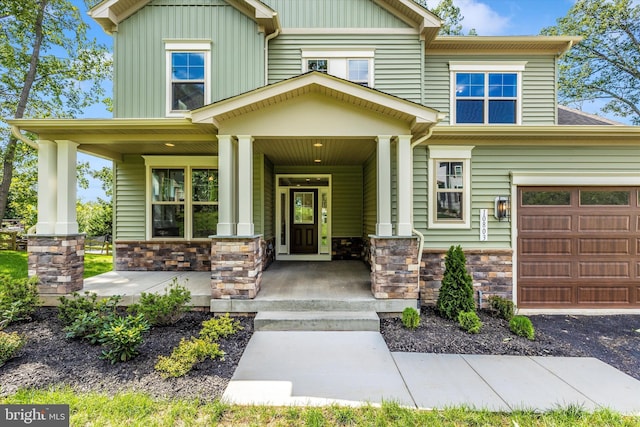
{"x":370,"y":207}
{"x":346,"y":196}
{"x":333,"y":14}
{"x":538,"y":85}
{"x":237,"y":53}
{"x":491,"y":167}
{"x":263,"y":194}
{"x":129,"y":199}
{"x":397,"y":67}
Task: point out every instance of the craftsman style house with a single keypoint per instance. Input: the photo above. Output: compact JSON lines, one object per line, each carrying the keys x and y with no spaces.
{"x":249,"y":131}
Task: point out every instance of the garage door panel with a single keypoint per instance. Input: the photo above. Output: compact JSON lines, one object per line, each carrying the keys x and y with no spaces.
{"x":604,"y":223}
{"x":603,"y":295}
{"x":544,"y":246}
{"x":603,"y":270}
{"x":545,"y":270}
{"x":604,"y":246}
{"x":530,"y":223}
{"x":545,"y":295}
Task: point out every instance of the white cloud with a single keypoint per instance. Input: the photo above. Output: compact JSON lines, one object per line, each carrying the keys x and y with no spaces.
{"x":478,"y":15}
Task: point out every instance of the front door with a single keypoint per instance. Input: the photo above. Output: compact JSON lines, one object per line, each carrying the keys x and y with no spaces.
{"x":304,"y":221}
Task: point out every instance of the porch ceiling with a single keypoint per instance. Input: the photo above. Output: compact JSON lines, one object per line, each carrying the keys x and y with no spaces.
{"x":305,"y":152}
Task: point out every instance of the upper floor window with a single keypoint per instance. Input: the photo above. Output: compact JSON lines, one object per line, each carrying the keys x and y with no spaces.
{"x":486,"y":93}
{"x":353,"y":65}
{"x":188,"y":76}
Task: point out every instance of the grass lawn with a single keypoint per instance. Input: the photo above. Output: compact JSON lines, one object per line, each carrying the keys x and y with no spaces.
{"x":15,"y":264}
{"x":136,"y":409}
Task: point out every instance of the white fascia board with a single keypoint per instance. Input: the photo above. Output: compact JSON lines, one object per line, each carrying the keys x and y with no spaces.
{"x":487,"y":66}
{"x":609,"y":178}
{"x":342,"y":52}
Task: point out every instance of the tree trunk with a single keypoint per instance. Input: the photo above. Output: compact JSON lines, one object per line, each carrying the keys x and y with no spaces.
{"x":10,"y":152}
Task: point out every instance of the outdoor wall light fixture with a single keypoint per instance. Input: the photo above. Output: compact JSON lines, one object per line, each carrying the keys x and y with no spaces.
{"x":502,"y":208}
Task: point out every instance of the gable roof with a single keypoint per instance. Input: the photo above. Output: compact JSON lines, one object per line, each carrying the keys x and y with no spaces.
{"x":570,"y":116}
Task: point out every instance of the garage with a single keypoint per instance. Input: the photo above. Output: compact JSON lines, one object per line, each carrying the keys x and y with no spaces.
{"x":578,"y":247}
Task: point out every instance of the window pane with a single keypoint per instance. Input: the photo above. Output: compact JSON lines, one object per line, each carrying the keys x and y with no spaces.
{"x":450,"y":205}
{"x":450,"y":175}
{"x":167,"y":185}
{"x":469,"y":84}
{"x":205,"y":185}
{"x":187,"y":96}
{"x":196,"y":59}
{"x":180,"y":73}
{"x":502,"y":85}
{"x":303,"y":208}
{"x":358,"y":70}
{"x":546,"y":198}
{"x":469,"y":111}
{"x":317,"y":65}
{"x":168,"y":220}
{"x":502,"y":111}
{"x":205,"y":220}
{"x":196,"y":73}
{"x":603,"y":197}
{"x":179,"y":59}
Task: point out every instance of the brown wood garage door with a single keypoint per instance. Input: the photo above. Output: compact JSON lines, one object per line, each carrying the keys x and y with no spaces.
{"x":578,"y":247}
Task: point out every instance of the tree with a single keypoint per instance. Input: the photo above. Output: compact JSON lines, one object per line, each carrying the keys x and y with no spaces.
{"x":48,"y":68}
{"x":450,"y":15}
{"x":605,"y":65}
{"x":456,"y":292}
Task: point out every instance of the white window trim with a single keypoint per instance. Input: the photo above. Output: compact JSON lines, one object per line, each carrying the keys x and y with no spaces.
{"x":340,"y":54}
{"x":188,"y":163}
{"x":172,"y":46}
{"x":457,"y":154}
{"x":516,"y":67}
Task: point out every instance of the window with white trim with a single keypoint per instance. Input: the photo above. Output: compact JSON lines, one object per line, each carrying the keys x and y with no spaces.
{"x":353,"y":65}
{"x":188,"y":76}
{"x":486,"y":93}
{"x":183,"y":197}
{"x":450,"y":186}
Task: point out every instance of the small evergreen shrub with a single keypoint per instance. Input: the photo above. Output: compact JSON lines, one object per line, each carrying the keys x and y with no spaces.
{"x":456,"y":292}
{"x":501,"y":307}
{"x":163,"y":309}
{"x":410,"y":318}
{"x":72,"y":308}
{"x":9,"y":345}
{"x":522,"y":326}
{"x":18,"y":299}
{"x":88,"y":326}
{"x":219,"y":327}
{"x":122,"y":336}
{"x":469,"y":321}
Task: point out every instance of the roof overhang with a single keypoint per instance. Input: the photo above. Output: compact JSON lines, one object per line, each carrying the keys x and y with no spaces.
{"x":554,"y":45}
{"x":427,"y":23}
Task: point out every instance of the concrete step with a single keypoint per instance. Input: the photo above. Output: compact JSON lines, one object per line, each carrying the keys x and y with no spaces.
{"x":317,"y":321}
{"x":259,"y":305}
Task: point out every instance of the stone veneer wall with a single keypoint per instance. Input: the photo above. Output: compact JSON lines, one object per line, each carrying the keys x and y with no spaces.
{"x":58,"y":261}
{"x":163,"y":256}
{"x":349,"y":248}
{"x":236,"y":267}
{"x":491,"y":270}
{"x":268,"y":251}
{"x":394,"y":267}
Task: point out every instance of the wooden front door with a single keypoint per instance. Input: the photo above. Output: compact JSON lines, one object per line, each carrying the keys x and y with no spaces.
{"x":304,"y":221}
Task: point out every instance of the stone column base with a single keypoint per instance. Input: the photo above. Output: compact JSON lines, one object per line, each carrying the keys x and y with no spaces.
{"x":394,"y":267}
{"x":58,"y":261}
{"x":236,"y":267}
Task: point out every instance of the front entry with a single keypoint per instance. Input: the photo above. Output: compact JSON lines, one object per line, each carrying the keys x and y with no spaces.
{"x":303,"y":217}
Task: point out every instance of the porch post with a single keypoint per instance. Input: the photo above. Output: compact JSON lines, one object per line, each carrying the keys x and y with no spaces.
{"x":383,"y":226}
{"x":405,"y":186}
{"x":226,"y":186}
{"x":66,"y":222}
{"x":47,"y":190}
{"x":245,"y":185}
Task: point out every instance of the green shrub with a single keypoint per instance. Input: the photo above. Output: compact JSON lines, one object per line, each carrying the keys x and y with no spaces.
{"x":122,"y":336}
{"x":72,"y":308}
{"x":9,"y":345}
{"x":456,"y":292}
{"x":469,"y":321}
{"x":501,"y":307}
{"x":410,"y":318}
{"x":165,"y":309}
{"x":18,"y":299}
{"x":219,"y":327}
{"x":88,"y":326}
{"x":184,"y":357}
{"x":522,"y":326}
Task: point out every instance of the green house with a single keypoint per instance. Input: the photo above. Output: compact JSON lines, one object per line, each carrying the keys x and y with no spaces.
{"x":248,"y":131}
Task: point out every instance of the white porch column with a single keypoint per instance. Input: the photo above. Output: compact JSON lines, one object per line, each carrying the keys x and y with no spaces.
{"x":226,"y":186}
{"x":383,"y":226}
{"x":66,"y":222}
{"x":405,"y":185}
{"x":245,"y":185}
{"x":47,"y":190}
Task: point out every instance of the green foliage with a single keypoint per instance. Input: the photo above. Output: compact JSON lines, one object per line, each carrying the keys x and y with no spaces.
{"x":605,"y":64}
{"x":9,"y":345}
{"x":522,"y":326}
{"x":410,"y":318}
{"x":165,"y":309}
{"x":88,"y":326}
{"x":122,"y":336}
{"x":18,"y":299}
{"x":219,"y":327}
{"x":469,"y":321}
{"x":95,"y":218}
{"x":72,"y":308}
{"x":501,"y":307}
{"x":456,"y":292}
{"x":450,"y":15}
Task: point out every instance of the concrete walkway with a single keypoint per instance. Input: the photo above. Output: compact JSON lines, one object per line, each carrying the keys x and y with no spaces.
{"x":355,"y":368}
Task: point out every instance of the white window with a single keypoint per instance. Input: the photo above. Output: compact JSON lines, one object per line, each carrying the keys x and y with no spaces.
{"x":353,"y":65}
{"x":182,"y":200}
{"x":188,"y":76}
{"x":483,"y":93}
{"x":450,"y":186}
